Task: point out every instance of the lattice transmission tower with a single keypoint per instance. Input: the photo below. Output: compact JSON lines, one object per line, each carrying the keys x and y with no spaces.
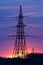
{"x":20,"y":48}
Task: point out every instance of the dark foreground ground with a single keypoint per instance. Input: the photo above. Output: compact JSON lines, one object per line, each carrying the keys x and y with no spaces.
{"x":33,"y":59}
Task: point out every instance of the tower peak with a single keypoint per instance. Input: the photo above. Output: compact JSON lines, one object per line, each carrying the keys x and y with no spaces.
{"x":20,"y":12}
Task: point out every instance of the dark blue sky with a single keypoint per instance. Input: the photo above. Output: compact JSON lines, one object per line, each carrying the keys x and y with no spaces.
{"x":16,"y":2}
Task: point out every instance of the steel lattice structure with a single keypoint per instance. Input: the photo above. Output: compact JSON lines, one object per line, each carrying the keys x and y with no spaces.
{"x":20,"y":48}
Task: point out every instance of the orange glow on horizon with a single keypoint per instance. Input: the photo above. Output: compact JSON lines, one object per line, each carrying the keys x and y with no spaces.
{"x":10,"y":55}
{"x":29,"y":50}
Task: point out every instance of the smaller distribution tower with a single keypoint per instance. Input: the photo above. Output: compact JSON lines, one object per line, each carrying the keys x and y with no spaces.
{"x":20,"y":49}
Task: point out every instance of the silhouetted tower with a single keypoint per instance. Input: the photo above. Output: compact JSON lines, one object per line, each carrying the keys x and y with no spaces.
{"x":20,"y":44}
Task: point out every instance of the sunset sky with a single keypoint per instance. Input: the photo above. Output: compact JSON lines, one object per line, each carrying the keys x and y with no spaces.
{"x":31,"y":8}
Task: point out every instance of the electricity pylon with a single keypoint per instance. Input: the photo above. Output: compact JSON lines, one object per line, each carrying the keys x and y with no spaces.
{"x":20,"y":48}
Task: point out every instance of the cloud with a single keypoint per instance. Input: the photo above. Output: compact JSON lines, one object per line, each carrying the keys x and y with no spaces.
{"x":35,"y":25}
{"x":29,"y":10}
{"x":8,"y":7}
{"x":30,"y":13}
{"x":17,"y":6}
{"x":5,"y":25}
{"x":34,"y":14}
